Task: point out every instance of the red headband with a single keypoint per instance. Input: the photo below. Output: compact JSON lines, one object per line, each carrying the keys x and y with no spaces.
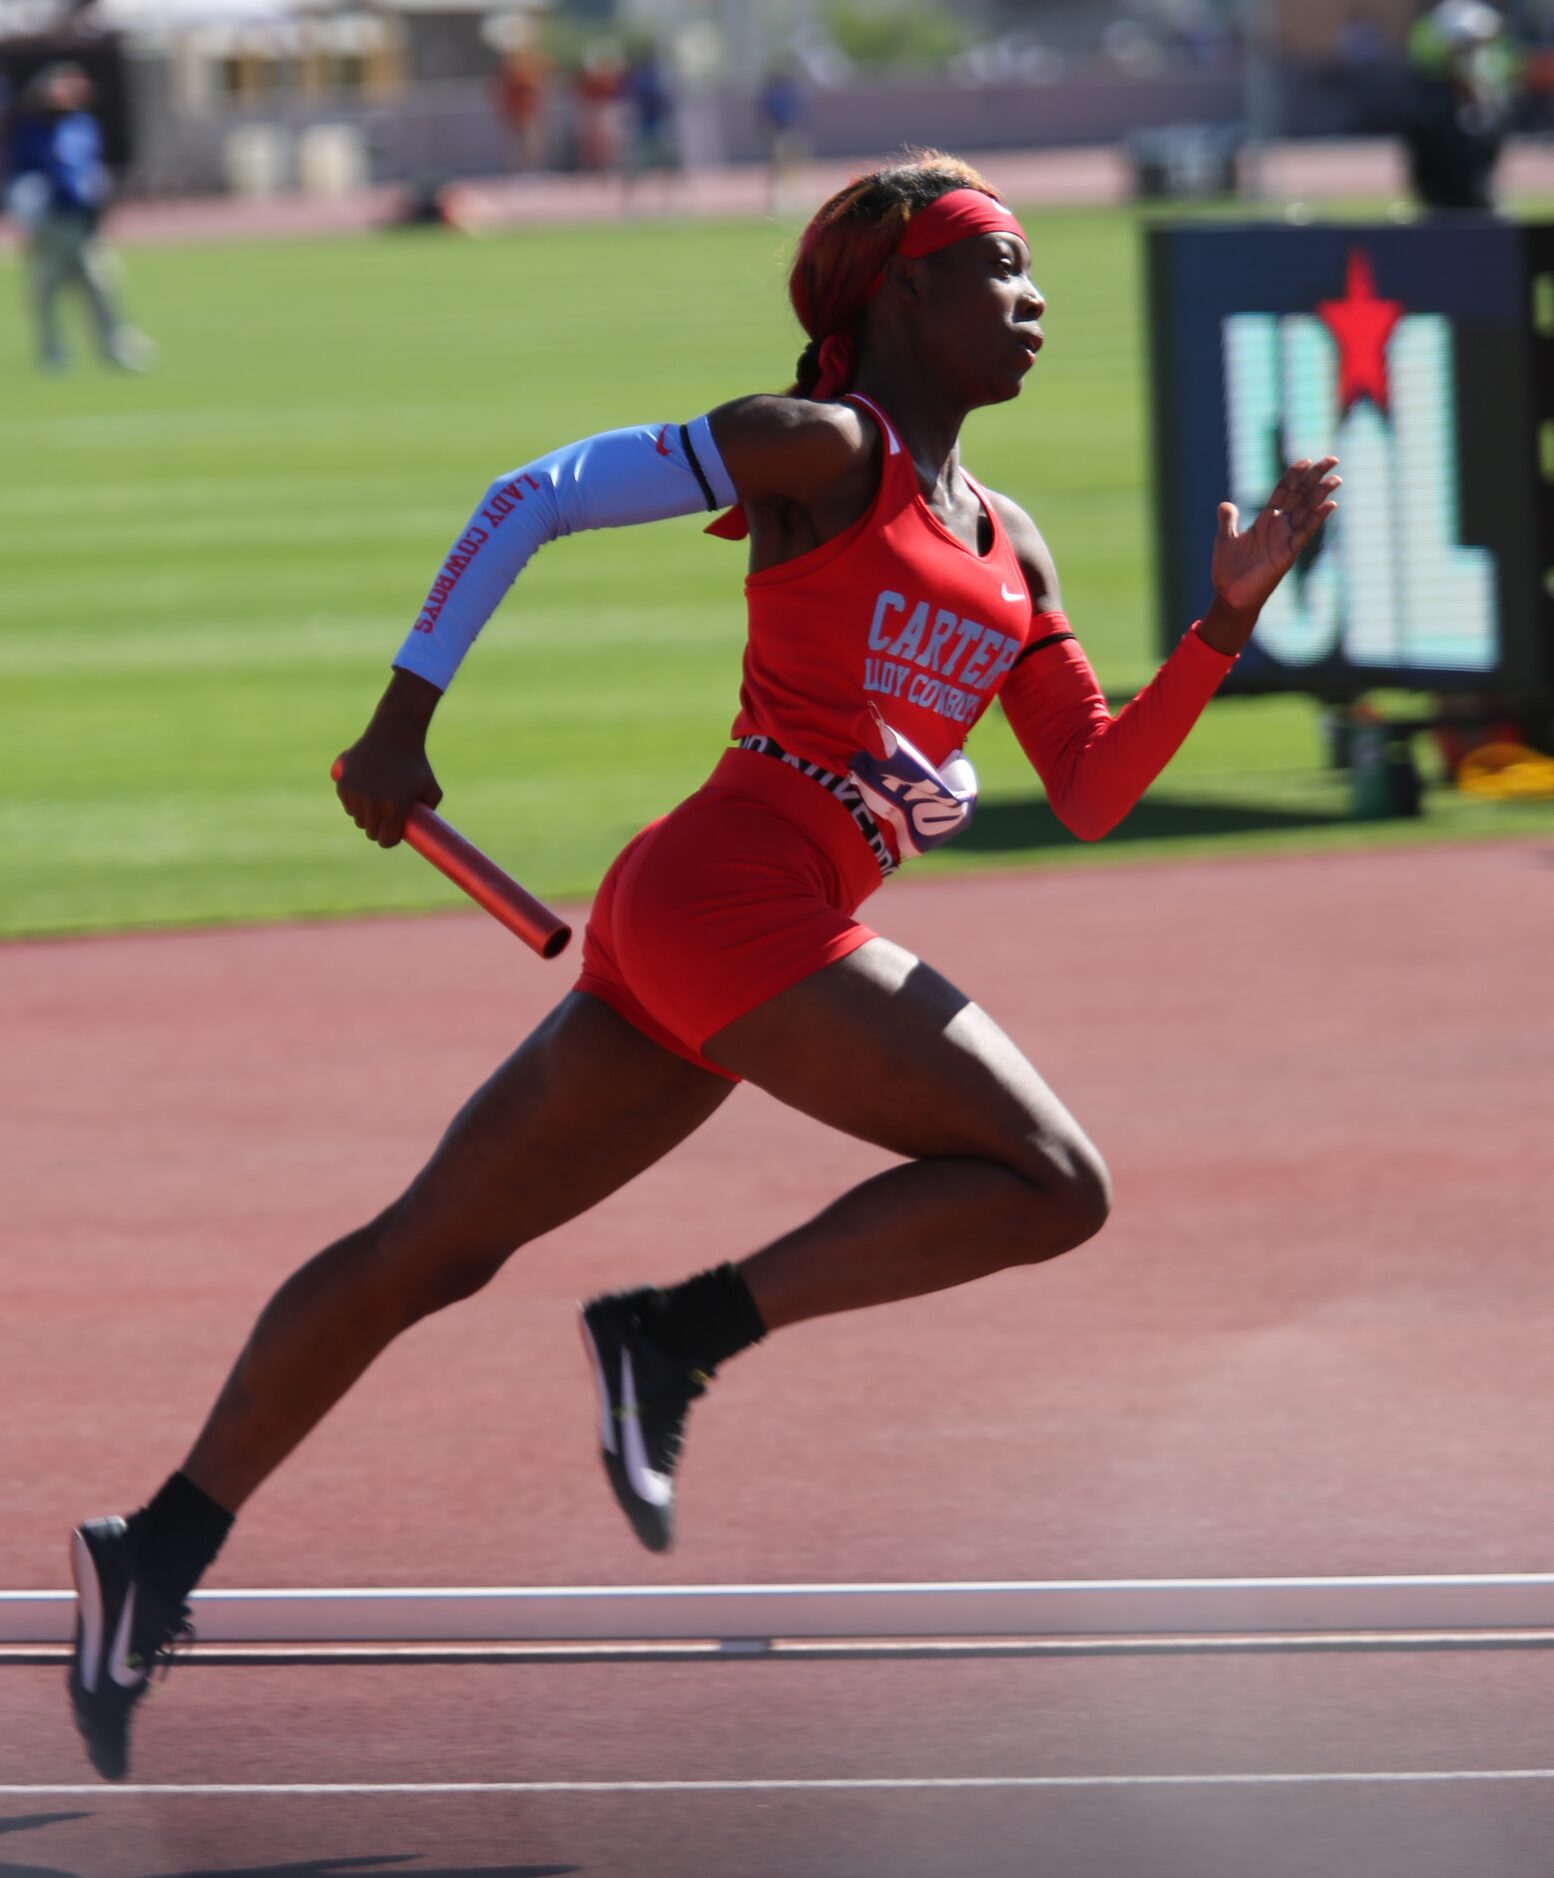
{"x":955,"y":216}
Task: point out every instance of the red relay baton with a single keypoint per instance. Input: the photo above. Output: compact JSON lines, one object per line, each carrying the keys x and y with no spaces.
{"x":480,"y":877}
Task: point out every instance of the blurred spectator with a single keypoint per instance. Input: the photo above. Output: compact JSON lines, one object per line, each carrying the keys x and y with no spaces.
{"x":1464,"y":82}
{"x":782,"y":115}
{"x":522,"y":93}
{"x":1362,"y":66}
{"x":650,"y":102}
{"x":57,"y":191}
{"x":596,"y":92}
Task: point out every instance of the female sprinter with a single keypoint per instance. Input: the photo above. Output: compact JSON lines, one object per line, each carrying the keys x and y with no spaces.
{"x":890,"y":598}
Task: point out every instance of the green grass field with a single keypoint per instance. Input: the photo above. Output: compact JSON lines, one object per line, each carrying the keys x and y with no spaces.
{"x":206,"y":571}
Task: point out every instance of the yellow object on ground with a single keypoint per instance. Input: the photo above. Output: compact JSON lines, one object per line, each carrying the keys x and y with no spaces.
{"x":1507,"y":772}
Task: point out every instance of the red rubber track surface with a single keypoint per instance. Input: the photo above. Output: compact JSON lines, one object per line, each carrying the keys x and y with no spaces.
{"x":1314,"y":1339}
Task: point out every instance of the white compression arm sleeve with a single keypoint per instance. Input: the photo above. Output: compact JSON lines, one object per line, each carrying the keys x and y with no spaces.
{"x":621,"y":476}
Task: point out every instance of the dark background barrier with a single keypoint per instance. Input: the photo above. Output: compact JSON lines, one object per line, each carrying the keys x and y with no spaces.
{"x":1423,"y":357}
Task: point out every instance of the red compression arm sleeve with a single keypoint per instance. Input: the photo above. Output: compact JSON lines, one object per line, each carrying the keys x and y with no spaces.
{"x":1096,"y":766}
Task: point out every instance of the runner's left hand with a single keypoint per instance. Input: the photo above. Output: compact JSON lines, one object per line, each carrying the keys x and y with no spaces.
{"x":1248,"y":565}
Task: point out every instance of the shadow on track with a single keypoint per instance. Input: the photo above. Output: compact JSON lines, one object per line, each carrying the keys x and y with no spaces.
{"x":1010,"y":827}
{"x":30,"y":1822}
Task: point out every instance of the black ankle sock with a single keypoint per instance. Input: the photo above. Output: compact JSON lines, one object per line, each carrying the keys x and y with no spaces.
{"x":176,"y":1536}
{"x":707,"y":1319}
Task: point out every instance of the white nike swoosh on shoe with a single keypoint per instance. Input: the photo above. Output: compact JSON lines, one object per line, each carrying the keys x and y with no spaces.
{"x":89,"y":1593}
{"x":646,"y":1482}
{"x":1021,"y":595}
{"x":126,"y":1674}
{"x":606,"y":1407}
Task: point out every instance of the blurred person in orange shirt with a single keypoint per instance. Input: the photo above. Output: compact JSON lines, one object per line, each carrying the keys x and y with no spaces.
{"x":596,"y":89}
{"x":522,"y":91}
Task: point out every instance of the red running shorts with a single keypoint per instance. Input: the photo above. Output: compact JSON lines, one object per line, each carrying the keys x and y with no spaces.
{"x":748,"y":886}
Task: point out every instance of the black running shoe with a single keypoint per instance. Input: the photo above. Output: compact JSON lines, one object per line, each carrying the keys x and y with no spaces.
{"x":644,"y":1394}
{"x":122,"y":1631}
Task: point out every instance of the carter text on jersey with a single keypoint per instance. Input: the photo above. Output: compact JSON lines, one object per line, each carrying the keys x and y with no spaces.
{"x":914,"y":641}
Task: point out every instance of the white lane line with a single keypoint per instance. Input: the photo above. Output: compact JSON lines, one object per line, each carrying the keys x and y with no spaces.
{"x":970,"y":1608}
{"x":456,"y":1788}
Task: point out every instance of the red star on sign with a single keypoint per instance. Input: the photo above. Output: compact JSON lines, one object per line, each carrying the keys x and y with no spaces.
{"x":1362,"y":325}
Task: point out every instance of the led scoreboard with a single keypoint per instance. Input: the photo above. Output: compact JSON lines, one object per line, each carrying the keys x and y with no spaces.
{"x":1422,"y":356}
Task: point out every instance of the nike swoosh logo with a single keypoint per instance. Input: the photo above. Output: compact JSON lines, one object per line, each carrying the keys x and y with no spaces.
{"x":126,"y":1674}
{"x":1021,"y":595}
{"x":89,"y":1592}
{"x":648,"y":1484}
{"x":663,"y":446}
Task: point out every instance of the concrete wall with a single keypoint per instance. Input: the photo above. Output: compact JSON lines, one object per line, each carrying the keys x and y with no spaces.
{"x":452,"y":130}
{"x":1082,"y":108}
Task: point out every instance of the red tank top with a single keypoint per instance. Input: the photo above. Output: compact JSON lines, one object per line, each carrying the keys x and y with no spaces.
{"x":895,"y":612}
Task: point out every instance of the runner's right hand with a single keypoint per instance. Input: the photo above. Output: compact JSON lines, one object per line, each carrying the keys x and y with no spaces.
{"x":379,"y":780}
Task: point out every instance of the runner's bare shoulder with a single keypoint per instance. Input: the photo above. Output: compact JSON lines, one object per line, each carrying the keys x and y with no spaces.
{"x":792,"y":448}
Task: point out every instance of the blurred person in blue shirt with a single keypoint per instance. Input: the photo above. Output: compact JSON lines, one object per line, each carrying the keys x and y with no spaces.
{"x":782,"y":115}
{"x":647,"y":91}
{"x":58,"y":187}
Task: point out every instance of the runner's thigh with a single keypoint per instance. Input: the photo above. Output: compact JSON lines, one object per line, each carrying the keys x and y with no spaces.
{"x":585,"y":1104}
{"x":885,"y":1048}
